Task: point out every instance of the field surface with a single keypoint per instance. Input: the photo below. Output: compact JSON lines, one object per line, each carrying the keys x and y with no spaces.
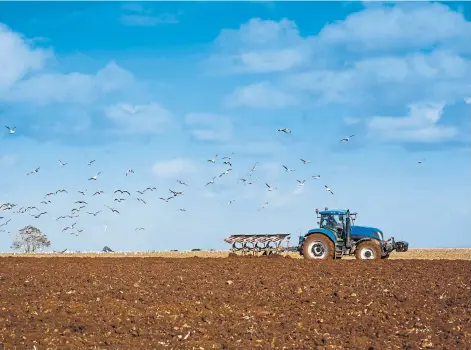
{"x":233,"y":303}
{"x":414,"y":253}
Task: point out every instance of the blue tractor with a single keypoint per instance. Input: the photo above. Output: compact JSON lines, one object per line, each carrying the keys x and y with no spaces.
{"x":337,"y":236}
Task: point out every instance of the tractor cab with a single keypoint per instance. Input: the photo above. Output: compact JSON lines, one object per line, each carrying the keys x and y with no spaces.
{"x":338,"y":222}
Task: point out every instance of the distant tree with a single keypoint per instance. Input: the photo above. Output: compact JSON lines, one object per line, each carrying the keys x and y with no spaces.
{"x":30,"y":239}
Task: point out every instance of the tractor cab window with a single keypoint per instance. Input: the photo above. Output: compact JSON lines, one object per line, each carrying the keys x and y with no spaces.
{"x":332,"y":221}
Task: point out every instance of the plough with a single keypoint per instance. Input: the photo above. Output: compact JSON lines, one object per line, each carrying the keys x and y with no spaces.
{"x":259,"y":244}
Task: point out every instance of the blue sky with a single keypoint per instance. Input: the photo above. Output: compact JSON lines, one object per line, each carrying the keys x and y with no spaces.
{"x":162,"y":87}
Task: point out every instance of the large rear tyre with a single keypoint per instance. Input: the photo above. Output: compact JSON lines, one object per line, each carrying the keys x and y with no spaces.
{"x":368,"y":250}
{"x":318,"y":246}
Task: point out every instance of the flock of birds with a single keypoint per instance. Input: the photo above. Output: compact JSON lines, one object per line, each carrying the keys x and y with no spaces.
{"x":120,"y":195}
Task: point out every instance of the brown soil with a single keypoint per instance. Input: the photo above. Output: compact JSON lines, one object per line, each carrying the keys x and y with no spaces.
{"x":235,"y":303}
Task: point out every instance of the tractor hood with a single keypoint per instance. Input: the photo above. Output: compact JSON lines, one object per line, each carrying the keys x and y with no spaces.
{"x":359,"y":232}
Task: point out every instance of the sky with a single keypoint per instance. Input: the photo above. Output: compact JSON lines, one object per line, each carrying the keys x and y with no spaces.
{"x":160,"y":88}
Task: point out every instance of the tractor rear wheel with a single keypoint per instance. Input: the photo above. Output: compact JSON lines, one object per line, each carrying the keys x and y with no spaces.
{"x":318,"y":246}
{"x":368,"y":250}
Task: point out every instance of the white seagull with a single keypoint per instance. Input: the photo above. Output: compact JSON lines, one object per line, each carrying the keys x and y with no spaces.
{"x":301,"y":183}
{"x":328,"y":189}
{"x":11,"y":130}
{"x":129,"y":172}
{"x":62,"y":164}
{"x":287,"y":169}
{"x":95,"y":177}
{"x":35,"y":171}
{"x":316,"y":177}
{"x":347,"y":138}
{"x":421,"y":161}
{"x":285,"y":130}
{"x":213,"y":160}
{"x":212,"y":181}
{"x":305,"y":161}
{"x":270,"y":188}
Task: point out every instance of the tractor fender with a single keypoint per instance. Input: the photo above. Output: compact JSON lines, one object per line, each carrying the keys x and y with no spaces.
{"x":368,"y":239}
{"x":323,"y":231}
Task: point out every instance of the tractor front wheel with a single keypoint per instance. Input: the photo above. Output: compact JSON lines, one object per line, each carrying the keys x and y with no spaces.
{"x":368,"y":250}
{"x":318,"y":246}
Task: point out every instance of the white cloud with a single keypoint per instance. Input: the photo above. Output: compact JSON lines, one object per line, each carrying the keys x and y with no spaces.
{"x":140,"y":119}
{"x":72,"y":87}
{"x":260,"y":95}
{"x":259,"y":46}
{"x":404,"y":26}
{"x":137,"y":15}
{"x":439,"y":75}
{"x":468,"y":100}
{"x":18,"y":58}
{"x":351,"y":120}
{"x":209,"y":127}
{"x":175,"y":168}
{"x":419,"y":126}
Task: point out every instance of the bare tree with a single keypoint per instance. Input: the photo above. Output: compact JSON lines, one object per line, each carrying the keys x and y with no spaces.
{"x":30,"y":238}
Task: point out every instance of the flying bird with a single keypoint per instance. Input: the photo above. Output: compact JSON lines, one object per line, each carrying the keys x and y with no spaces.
{"x":346,"y":139}
{"x":225,"y":172}
{"x":212,"y":181}
{"x":328,"y":189}
{"x":35,"y":171}
{"x":229,"y":157}
{"x":305,"y":161}
{"x":270,"y":188}
{"x":176,"y":193}
{"x":5,"y":223}
{"x":181,"y":183}
{"x":122,"y":192}
{"x":94,"y":214}
{"x":141,"y":200}
{"x":62,"y":164}
{"x":38,"y":216}
{"x":130,"y":171}
{"x":91,"y":162}
{"x":285,"y":130}
{"x":421,"y":161}
{"x":316,"y":177}
{"x":11,"y":130}
{"x":95,"y":177}
{"x":98,"y":192}
{"x":113,"y":210}
{"x":301,"y":183}
{"x":263,"y":207}
{"x":287,"y":169}
{"x":213,"y":160}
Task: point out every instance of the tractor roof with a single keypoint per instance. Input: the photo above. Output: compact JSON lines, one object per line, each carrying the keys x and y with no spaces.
{"x":334,"y":212}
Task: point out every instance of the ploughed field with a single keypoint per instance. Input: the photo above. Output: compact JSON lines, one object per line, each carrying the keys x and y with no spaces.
{"x":233,"y":303}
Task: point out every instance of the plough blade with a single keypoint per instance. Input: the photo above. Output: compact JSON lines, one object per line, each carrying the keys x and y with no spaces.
{"x":254,"y":244}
